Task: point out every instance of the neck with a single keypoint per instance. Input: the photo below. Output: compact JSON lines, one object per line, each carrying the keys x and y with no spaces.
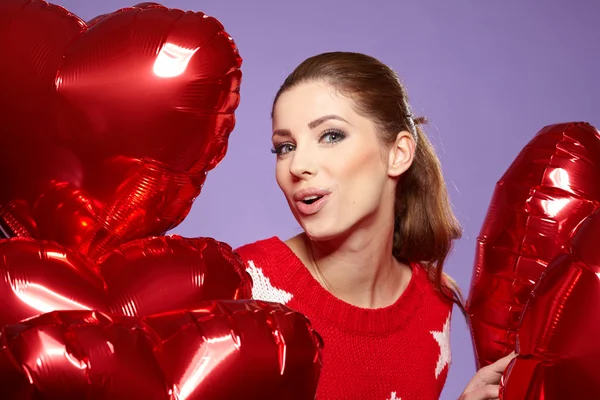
{"x":359,"y":269}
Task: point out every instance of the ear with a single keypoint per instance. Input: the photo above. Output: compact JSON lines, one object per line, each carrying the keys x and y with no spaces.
{"x":401,"y":154}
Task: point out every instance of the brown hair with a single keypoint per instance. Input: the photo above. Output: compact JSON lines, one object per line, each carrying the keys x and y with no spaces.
{"x":424,"y":225}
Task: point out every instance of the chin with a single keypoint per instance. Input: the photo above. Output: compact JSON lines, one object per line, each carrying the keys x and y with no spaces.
{"x":321,"y":231}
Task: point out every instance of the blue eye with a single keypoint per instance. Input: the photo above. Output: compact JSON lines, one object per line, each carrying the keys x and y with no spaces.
{"x":332,"y":136}
{"x":282,"y":148}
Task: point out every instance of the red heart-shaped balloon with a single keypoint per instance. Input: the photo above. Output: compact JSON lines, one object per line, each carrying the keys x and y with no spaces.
{"x":557,"y":342}
{"x":222,"y":350}
{"x":545,"y":194}
{"x":131,"y":111}
{"x":108,"y":132}
{"x":139,"y":278}
{"x":79,"y":355}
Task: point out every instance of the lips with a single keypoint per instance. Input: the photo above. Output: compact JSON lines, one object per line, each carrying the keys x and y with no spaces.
{"x":305,"y":194}
{"x":310,"y":201}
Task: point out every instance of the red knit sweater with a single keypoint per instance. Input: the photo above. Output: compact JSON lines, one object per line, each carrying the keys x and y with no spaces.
{"x":398,"y":352}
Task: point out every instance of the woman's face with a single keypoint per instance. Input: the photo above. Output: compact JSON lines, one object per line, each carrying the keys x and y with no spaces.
{"x":336,"y":174}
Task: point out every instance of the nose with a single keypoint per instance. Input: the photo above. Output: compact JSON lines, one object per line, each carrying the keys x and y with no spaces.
{"x":303,"y":165}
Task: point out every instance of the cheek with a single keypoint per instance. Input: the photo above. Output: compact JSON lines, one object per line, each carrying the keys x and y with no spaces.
{"x":281,"y":174}
{"x":364,"y":174}
{"x":365,"y":163}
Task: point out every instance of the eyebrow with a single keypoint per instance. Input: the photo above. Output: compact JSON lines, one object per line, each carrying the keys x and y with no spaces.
{"x":312,"y":124}
{"x":319,"y":121}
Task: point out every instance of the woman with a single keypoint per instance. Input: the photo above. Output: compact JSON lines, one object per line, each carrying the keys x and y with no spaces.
{"x":366,"y":186}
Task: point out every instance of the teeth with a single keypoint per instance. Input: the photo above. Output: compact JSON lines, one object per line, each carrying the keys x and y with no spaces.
{"x":309,"y":198}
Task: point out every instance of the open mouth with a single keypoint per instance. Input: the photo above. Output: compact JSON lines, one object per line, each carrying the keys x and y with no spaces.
{"x":311,"y":199}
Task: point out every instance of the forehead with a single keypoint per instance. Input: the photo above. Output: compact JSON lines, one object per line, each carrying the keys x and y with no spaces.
{"x":311,"y":100}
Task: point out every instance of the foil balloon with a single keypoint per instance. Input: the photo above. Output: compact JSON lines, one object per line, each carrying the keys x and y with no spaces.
{"x":63,"y":214}
{"x":38,"y":277}
{"x":557,"y":342}
{"x":238,"y":349}
{"x":539,"y":202}
{"x":79,"y":355}
{"x":140,"y":278}
{"x":17,"y":220}
{"x":129,"y":113}
{"x":154,"y":275}
{"x":222,"y":350}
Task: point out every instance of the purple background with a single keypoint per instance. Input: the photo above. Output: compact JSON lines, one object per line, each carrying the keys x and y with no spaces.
{"x":487,"y":74}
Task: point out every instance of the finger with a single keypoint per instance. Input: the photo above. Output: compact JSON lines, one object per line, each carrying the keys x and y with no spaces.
{"x":491,"y":373}
{"x":501,"y":364}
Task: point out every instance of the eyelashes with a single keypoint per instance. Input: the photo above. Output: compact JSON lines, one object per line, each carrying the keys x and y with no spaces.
{"x":280,"y":147}
{"x":336,"y":134}
{"x":329,"y":137}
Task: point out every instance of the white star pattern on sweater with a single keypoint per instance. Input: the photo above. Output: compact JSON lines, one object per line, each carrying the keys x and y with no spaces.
{"x":393,"y":397}
{"x":443,"y":339}
{"x":262,"y":288}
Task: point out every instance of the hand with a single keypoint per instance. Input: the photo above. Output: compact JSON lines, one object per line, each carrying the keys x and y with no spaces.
{"x":486,"y":382}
